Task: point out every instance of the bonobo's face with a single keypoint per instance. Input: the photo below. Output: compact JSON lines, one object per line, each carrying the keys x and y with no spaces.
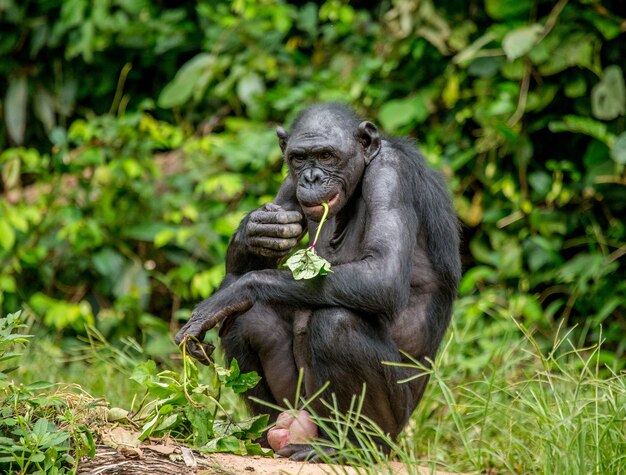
{"x":327,"y":162}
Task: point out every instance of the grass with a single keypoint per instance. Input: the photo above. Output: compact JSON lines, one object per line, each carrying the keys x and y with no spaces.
{"x":499,"y":401}
{"x":527,"y":411}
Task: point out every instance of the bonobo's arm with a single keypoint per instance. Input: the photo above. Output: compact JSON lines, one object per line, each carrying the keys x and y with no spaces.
{"x":378,"y":284}
{"x":266,"y":234}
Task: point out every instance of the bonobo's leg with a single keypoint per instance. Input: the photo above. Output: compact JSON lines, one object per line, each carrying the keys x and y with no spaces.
{"x":347,"y":350}
{"x":261,"y":340}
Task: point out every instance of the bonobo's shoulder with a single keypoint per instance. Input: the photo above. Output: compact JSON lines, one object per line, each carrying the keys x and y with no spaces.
{"x":401,"y":154}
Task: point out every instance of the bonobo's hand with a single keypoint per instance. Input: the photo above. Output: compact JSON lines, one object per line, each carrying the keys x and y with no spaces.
{"x":272,"y":231}
{"x":205,"y":316}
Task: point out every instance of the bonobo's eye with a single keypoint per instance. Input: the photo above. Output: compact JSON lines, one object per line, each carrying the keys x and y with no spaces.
{"x":296,"y":158}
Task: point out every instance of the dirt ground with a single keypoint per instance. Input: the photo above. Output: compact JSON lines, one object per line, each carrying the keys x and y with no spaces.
{"x":237,"y":464}
{"x":168,"y":460}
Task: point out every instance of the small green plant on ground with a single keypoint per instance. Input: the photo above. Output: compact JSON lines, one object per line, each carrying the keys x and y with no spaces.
{"x":40,"y":432}
{"x":47,"y":428}
{"x":186,"y":408}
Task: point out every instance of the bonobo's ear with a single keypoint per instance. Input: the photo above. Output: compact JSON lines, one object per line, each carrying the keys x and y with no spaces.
{"x":282,"y":138}
{"x":370,"y":140}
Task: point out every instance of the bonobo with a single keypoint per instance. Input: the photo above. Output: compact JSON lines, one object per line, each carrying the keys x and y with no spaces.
{"x":392,"y":239}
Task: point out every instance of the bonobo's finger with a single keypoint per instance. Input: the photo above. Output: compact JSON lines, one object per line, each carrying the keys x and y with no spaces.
{"x":261,"y":251}
{"x":273,"y":244}
{"x":192,"y":339}
{"x":276,"y":217}
{"x":274,"y":230}
{"x":200,"y":351}
{"x":209,"y":317}
{"x":272,"y":207}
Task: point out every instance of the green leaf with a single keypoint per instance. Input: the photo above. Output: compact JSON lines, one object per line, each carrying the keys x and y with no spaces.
{"x":577,"y":49}
{"x":39,"y":385}
{"x":169,"y":422}
{"x":520,"y":41}
{"x":117,"y":414}
{"x":239,"y":382}
{"x":108,"y":263}
{"x":582,"y":125}
{"x":249,"y":88}
{"x":608,"y":97}
{"x":11,"y":172}
{"x":473,"y":276}
{"x":7,"y":235}
{"x":504,"y":9}
{"x":37,"y":457}
{"x":15,"y":108}
{"x":202,"y":422}
{"x":133,"y":282}
{"x":183,"y":86}
{"x":306,"y":264}
{"x":618,"y":149}
{"x":397,"y":113}
{"x":230,"y":444}
{"x":43,"y":106}
{"x":144,"y":372}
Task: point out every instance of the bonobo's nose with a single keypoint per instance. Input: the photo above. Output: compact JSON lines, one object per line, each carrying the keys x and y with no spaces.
{"x":311,"y":177}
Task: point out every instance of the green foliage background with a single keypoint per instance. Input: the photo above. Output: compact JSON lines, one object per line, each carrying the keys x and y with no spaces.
{"x":136,"y":134}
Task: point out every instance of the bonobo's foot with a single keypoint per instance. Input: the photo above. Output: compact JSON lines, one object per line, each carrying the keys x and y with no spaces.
{"x":294,"y":427}
{"x":306,"y":453}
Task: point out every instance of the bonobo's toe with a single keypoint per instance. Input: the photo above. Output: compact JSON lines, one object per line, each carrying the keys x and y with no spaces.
{"x":297,"y":452}
{"x":306,"y":453}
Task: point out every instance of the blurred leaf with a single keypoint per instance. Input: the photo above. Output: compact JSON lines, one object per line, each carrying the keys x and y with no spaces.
{"x":109,"y":264}
{"x":618,"y":149}
{"x":577,"y":49}
{"x":505,"y":9}
{"x":451,"y":92}
{"x":249,"y":88}
{"x":16,"y":100}
{"x":399,"y":112}
{"x":473,"y":276}
{"x":608,"y":97}
{"x":66,"y":99}
{"x":520,"y":41}
{"x":470,"y":53}
{"x":43,"y":105}
{"x":133,"y":282}
{"x":206,"y":282}
{"x":227,"y":185}
{"x":584,"y":125}
{"x":182,"y":87}
{"x":11,"y":173}
{"x":7,"y":235}
{"x":607,"y":24}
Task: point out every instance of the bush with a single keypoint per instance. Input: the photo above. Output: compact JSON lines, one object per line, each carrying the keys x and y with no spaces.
{"x":521,"y":105}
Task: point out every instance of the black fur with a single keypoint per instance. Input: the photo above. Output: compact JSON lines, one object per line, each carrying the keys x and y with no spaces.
{"x":393,"y":240}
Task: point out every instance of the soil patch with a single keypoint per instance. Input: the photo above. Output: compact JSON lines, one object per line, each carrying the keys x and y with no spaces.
{"x":168,"y":460}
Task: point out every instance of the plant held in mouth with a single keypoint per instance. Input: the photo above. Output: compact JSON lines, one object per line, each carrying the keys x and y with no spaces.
{"x":306,"y":263}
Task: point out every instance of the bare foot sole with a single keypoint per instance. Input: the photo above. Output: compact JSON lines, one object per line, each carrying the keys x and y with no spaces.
{"x":294,"y":427}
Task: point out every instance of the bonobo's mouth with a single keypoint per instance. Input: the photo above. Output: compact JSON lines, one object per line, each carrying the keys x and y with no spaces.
{"x":315,"y":212}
